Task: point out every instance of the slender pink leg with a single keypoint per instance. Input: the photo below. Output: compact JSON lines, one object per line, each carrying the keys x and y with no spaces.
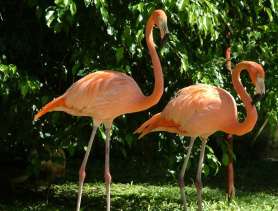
{"x":82,"y":172}
{"x":230,"y":189}
{"x":181,"y":179}
{"x":198,"y":182}
{"x":107,"y":175}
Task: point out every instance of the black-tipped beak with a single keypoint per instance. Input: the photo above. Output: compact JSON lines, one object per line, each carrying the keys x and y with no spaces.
{"x":257,"y":98}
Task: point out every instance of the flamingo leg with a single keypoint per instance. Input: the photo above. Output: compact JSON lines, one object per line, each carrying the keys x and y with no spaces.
{"x":198,"y":182}
{"x":182,"y":172}
{"x":107,"y":175}
{"x":230,"y":190}
{"x":82,"y":172}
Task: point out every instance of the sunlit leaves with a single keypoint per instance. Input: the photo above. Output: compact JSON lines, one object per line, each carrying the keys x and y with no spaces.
{"x":101,"y":5}
{"x":201,"y":15}
{"x":61,"y":15}
{"x":139,"y":7}
{"x":8,"y":73}
{"x":274,"y":6}
{"x":72,"y":8}
{"x":11,"y":81}
{"x":212,"y":163}
{"x":29,"y":86}
{"x":184,"y":62}
{"x":143,"y":8}
{"x":182,"y":4}
{"x":269,"y":13}
{"x":88,"y":2}
{"x":49,"y":17}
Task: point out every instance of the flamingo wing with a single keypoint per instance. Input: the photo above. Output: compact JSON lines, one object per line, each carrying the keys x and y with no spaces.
{"x":200,"y":109}
{"x":102,"y":95}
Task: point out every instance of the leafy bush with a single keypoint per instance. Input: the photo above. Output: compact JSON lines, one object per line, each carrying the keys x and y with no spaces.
{"x":46,"y":46}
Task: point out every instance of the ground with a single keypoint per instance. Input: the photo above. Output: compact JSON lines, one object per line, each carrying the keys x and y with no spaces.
{"x":257,"y":189}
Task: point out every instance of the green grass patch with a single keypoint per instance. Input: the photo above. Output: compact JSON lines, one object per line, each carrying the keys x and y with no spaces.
{"x":256,"y":189}
{"x":139,"y":197}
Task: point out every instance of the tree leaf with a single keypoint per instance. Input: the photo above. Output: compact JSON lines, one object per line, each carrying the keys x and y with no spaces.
{"x":88,"y":2}
{"x":269,"y":13}
{"x":23,"y":89}
{"x":119,"y":54}
{"x":50,"y":16}
{"x":72,"y":8}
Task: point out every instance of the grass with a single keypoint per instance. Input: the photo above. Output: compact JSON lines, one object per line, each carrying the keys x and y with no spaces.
{"x":257,"y":189}
{"x":141,"y":197}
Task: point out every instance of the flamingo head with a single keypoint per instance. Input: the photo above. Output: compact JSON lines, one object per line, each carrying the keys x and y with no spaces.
{"x":160,"y":20}
{"x":257,"y":78}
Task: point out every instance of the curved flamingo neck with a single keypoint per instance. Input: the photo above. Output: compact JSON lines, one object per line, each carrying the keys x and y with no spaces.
{"x":152,"y":99}
{"x":248,"y":124}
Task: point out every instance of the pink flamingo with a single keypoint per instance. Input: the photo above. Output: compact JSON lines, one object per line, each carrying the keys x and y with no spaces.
{"x":105,"y":95}
{"x":201,"y":110}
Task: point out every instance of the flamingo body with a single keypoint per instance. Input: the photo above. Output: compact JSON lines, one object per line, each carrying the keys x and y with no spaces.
{"x":103,"y":95}
{"x":200,"y":106}
{"x":194,"y":111}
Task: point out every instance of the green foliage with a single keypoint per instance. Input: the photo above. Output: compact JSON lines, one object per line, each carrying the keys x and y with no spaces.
{"x":9,"y":75}
{"x":60,"y":16}
{"x":200,"y":16}
{"x":7,"y":72}
{"x":46,"y":46}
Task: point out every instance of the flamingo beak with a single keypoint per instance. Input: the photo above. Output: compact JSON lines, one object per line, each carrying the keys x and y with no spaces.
{"x":260,"y":90}
{"x":164,"y":32}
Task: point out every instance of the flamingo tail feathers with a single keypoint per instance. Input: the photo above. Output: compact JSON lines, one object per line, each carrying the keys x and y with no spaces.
{"x":149,"y":125}
{"x":158,"y":123}
{"x":58,"y":102}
